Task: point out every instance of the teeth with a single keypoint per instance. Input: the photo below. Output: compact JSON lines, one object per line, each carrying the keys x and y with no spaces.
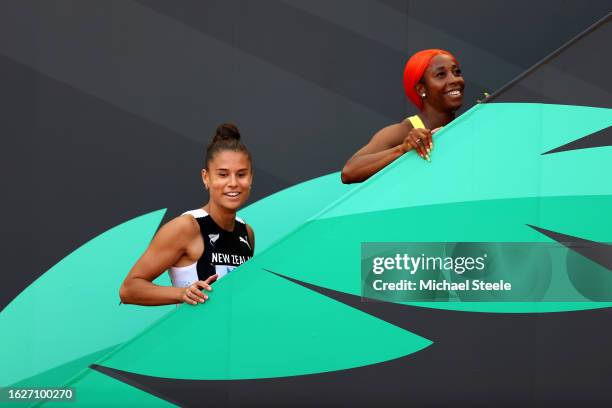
{"x":232,"y":194}
{"x":454,"y":92}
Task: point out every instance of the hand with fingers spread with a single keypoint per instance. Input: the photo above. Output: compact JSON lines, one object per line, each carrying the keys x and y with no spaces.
{"x":192,"y":293}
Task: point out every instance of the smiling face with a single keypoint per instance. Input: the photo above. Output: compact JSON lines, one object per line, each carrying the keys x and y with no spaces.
{"x":228,"y":177}
{"x":442,"y":84}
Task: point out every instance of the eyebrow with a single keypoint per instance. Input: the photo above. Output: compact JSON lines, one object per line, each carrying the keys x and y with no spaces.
{"x":224,"y":169}
{"x":443,"y":67}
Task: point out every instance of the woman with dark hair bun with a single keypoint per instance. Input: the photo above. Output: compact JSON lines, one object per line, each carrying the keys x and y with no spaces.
{"x":434,"y":84}
{"x":201,"y":245}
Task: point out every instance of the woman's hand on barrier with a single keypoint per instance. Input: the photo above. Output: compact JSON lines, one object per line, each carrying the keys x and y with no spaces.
{"x":420,"y":140}
{"x":193,"y":295}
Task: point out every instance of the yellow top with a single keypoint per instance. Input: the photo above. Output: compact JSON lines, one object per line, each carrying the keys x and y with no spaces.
{"x":416,"y":122}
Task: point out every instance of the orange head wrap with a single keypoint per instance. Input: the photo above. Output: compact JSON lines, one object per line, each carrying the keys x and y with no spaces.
{"x":415,"y":67}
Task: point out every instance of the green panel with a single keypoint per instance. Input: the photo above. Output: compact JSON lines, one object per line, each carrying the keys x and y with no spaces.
{"x":257,"y":325}
{"x":73,"y":309}
{"x":493,"y":151}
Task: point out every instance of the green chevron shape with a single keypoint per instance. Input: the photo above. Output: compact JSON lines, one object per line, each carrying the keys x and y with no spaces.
{"x":257,"y":325}
{"x":72,"y":310}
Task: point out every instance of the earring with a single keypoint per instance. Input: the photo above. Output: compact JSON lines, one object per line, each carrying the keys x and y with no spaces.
{"x":422,"y":95}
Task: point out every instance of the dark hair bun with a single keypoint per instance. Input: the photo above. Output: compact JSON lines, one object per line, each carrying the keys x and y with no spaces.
{"x":226,"y":131}
{"x":227,"y":137}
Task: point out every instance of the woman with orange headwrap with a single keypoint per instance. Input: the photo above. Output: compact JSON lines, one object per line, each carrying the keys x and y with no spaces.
{"x":433,"y":82}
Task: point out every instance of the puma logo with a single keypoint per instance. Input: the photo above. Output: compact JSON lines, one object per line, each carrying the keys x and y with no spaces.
{"x":242,"y":239}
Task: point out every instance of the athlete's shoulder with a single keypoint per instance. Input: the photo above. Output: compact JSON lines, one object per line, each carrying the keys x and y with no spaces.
{"x":184,"y":224}
{"x":392,"y":135}
{"x":401,"y":127}
{"x":178,"y":232}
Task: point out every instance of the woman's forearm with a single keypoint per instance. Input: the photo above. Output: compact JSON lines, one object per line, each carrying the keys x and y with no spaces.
{"x":142,"y":292}
{"x":362,"y":167}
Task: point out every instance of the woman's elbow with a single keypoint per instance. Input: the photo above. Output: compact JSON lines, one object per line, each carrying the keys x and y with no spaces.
{"x":350,"y":175}
{"x":124,"y":293}
{"x":346,"y":175}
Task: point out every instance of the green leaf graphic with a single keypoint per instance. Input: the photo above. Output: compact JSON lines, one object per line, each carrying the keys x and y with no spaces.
{"x":73,"y":309}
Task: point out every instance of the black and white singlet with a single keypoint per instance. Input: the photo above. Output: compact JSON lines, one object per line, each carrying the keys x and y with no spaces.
{"x":223,"y":251}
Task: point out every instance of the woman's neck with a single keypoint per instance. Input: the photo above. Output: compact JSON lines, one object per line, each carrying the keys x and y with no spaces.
{"x":224,"y":218}
{"x":434,"y":119}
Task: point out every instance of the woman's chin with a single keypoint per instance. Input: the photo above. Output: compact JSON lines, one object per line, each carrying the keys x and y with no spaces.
{"x":455,"y":105}
{"x":233,"y":205}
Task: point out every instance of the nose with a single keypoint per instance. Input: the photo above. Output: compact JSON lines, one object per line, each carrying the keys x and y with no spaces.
{"x":455,"y":79}
{"x":233,"y":180}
